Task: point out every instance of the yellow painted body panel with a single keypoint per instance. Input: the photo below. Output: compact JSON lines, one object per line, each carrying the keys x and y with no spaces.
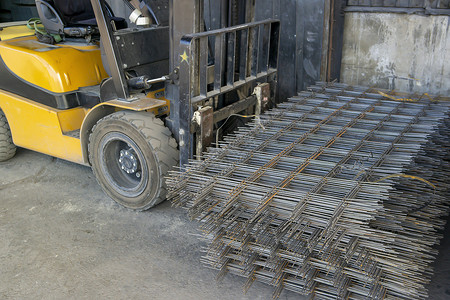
{"x":44,"y":129}
{"x":56,"y":68}
{"x":40,"y":128}
{"x":60,"y":68}
{"x":11,"y":32}
{"x":71,"y":119}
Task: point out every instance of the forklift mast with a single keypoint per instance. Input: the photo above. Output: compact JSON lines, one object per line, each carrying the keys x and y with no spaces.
{"x":216,"y":55}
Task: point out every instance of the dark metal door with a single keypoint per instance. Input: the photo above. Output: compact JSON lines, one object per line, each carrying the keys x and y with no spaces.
{"x":302,"y":27}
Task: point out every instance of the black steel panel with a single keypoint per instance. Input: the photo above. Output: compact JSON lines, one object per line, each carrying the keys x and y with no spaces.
{"x":218,"y":66}
{"x":231,"y":37}
{"x":264,"y":9}
{"x":243,"y":54}
{"x":274,"y":45}
{"x":254,"y":40}
{"x":309,"y":35}
{"x":300,"y":41}
{"x":287,"y":85}
{"x":144,"y":46}
{"x":161,"y":10}
{"x":153,"y":70}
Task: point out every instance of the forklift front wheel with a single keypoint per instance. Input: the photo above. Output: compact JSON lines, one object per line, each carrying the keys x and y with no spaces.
{"x":7,"y":147}
{"x":130,"y":154}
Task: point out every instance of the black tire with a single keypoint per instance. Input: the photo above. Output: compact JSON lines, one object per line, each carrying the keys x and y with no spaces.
{"x":7,"y":147}
{"x":130,"y":154}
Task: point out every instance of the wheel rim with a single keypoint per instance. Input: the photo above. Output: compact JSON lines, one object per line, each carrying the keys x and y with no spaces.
{"x":123,"y":164}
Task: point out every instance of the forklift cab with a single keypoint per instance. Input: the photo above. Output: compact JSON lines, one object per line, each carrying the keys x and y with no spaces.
{"x":142,"y":52}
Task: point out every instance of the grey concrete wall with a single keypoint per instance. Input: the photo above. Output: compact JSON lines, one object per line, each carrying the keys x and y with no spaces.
{"x":408,"y":53}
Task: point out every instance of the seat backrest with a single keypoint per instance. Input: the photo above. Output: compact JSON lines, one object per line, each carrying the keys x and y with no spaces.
{"x":75,"y":12}
{"x":56,"y":15}
{"x":50,"y":17}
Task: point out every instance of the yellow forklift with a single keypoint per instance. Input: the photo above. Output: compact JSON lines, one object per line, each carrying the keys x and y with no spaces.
{"x":130,"y":99}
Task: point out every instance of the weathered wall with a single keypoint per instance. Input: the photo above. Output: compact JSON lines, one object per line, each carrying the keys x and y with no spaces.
{"x":409,"y":53}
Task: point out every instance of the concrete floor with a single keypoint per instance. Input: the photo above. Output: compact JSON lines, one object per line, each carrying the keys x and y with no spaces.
{"x":62,"y":238}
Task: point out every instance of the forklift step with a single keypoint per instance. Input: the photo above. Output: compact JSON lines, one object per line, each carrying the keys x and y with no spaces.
{"x":73,"y":133}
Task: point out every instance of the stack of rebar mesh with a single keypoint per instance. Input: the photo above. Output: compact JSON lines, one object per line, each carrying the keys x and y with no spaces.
{"x":336,"y":193}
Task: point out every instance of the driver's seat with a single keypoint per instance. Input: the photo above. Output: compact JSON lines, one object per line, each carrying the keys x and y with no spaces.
{"x":73,"y":18}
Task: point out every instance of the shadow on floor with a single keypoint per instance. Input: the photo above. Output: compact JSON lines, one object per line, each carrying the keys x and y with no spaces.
{"x":439,"y":287}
